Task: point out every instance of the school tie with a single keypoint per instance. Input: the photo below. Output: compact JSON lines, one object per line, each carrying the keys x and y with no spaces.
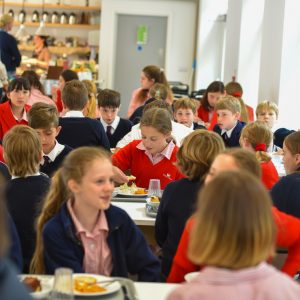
{"x":46,"y":160}
{"x":109,"y":130}
{"x":225,"y":137}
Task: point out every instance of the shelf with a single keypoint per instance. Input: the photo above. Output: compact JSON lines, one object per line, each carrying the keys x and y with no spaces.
{"x":57,"y":25}
{"x":53,"y":6}
{"x":59,"y":50}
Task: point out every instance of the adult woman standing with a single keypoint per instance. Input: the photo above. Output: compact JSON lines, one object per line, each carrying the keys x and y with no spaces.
{"x":9,"y":52}
{"x":150,"y":75}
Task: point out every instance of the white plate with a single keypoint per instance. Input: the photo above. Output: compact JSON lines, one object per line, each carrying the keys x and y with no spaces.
{"x":129,"y":194}
{"x":189,"y":276}
{"x":112,"y":288}
{"x":46,"y":283}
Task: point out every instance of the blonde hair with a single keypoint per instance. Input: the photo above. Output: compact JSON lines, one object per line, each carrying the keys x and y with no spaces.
{"x":185,"y":103}
{"x":91,"y":108}
{"x":234,"y":89}
{"x":22,"y":150}
{"x":234,"y":224}
{"x":74,"y":167}
{"x":197,"y":152}
{"x":5,"y":20}
{"x":258,"y":134}
{"x":230,"y":103}
{"x":158,"y":118}
{"x":159,"y":91}
{"x":266,"y":106}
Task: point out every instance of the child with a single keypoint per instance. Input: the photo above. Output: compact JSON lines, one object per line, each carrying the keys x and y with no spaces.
{"x":158,"y":91}
{"x":91,"y":109}
{"x":65,"y":76}
{"x":77,"y":214}
{"x":14,"y":111}
{"x":286,"y":192}
{"x":37,"y":93}
{"x":228,"y":111}
{"x":25,"y":191}
{"x":212,"y":94}
{"x":78,"y":130}
{"x":288,"y":227}
{"x":115,"y":127}
{"x":154,"y":155}
{"x":194,"y":157}
{"x":43,"y":118}
{"x":234,"y":235}
{"x":234,"y":89}
{"x":256,"y":137}
{"x":184,"y":113}
{"x":267,"y":112}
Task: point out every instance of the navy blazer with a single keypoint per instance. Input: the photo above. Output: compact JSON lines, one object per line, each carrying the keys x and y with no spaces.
{"x":130,"y":252}
{"x":234,"y":140}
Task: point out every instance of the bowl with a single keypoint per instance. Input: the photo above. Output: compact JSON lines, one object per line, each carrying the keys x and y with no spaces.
{"x":152,"y":205}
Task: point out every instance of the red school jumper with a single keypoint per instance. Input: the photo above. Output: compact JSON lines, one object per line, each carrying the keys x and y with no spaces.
{"x":288,"y":236}
{"x":269,"y":174}
{"x":7,"y":120}
{"x":134,"y":159}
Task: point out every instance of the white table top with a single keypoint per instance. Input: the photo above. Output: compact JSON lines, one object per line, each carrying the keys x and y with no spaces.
{"x":278,"y":163}
{"x":151,"y":291}
{"x":137,"y":212}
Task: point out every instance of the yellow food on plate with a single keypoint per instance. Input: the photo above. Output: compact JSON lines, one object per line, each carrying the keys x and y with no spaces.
{"x":131,"y":178}
{"x":87,"y":284}
{"x":154,"y":199}
{"x":140,"y":191}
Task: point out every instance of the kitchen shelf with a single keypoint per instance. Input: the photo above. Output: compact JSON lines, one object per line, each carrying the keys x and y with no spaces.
{"x":53,"y":6}
{"x":56,"y":25}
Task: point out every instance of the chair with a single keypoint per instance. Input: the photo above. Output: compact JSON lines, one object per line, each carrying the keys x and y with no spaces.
{"x":179,"y":89}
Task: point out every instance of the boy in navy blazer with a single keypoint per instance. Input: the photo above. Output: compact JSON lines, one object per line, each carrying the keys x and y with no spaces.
{"x":229,"y":127}
{"x":115,"y":127}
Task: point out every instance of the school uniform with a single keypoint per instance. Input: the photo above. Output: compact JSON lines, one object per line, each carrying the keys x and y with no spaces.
{"x":4,"y":171}
{"x":23,"y":197}
{"x":257,"y":282}
{"x":78,"y":131}
{"x":116,"y":130}
{"x":204,"y":114}
{"x":279,"y":135}
{"x":176,"y":206}
{"x":179,"y":132}
{"x":288,"y":236}
{"x":53,"y":160}
{"x":231,"y":137}
{"x":133,"y":157}
{"x":197,"y":126}
{"x":130,"y":253}
{"x":286,"y":194}
{"x":8,"y":120}
{"x":135,"y":118}
{"x":269,"y":174}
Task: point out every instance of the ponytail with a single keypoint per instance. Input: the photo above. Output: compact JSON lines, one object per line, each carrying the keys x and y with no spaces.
{"x":55,"y":198}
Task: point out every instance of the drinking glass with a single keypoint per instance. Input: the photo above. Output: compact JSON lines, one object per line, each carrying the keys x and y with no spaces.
{"x":63,"y":284}
{"x":154,"y":188}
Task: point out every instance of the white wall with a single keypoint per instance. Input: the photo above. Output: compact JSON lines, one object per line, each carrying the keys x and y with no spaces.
{"x":180,"y":41}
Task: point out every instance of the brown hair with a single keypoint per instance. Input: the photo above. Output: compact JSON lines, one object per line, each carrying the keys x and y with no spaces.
{"x":34,"y":80}
{"x":245,"y":160}
{"x":43,"y":115}
{"x":159,"y":91}
{"x":197,"y":152}
{"x":266,"y":106}
{"x":234,"y":223}
{"x":158,"y":76}
{"x":159,"y":104}
{"x":230,"y":103}
{"x":157,"y":118}
{"x":185,"y":103}
{"x":73,"y":167}
{"x":22,"y":150}
{"x":292,"y":142}
{"x":257,"y":133}
{"x":214,"y":87}
{"x":109,"y":98}
{"x":90,"y":110}
{"x":75,"y":95}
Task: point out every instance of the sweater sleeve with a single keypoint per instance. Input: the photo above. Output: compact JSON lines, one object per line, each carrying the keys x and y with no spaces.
{"x":181,"y":264}
{"x":123,"y":158}
{"x":16,"y":56}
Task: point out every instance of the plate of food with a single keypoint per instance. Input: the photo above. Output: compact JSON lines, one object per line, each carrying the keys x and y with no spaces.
{"x":39,"y":286}
{"x":131,"y":191}
{"x":94,"y":285}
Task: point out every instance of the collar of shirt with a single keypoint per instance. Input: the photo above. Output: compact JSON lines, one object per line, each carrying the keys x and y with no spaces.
{"x":73,"y":114}
{"x":228,"y":132}
{"x":166,"y":153}
{"x":114,"y":124}
{"x":101,"y":224}
{"x":27,"y":175}
{"x":55,"y":151}
{"x":24,"y":117}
